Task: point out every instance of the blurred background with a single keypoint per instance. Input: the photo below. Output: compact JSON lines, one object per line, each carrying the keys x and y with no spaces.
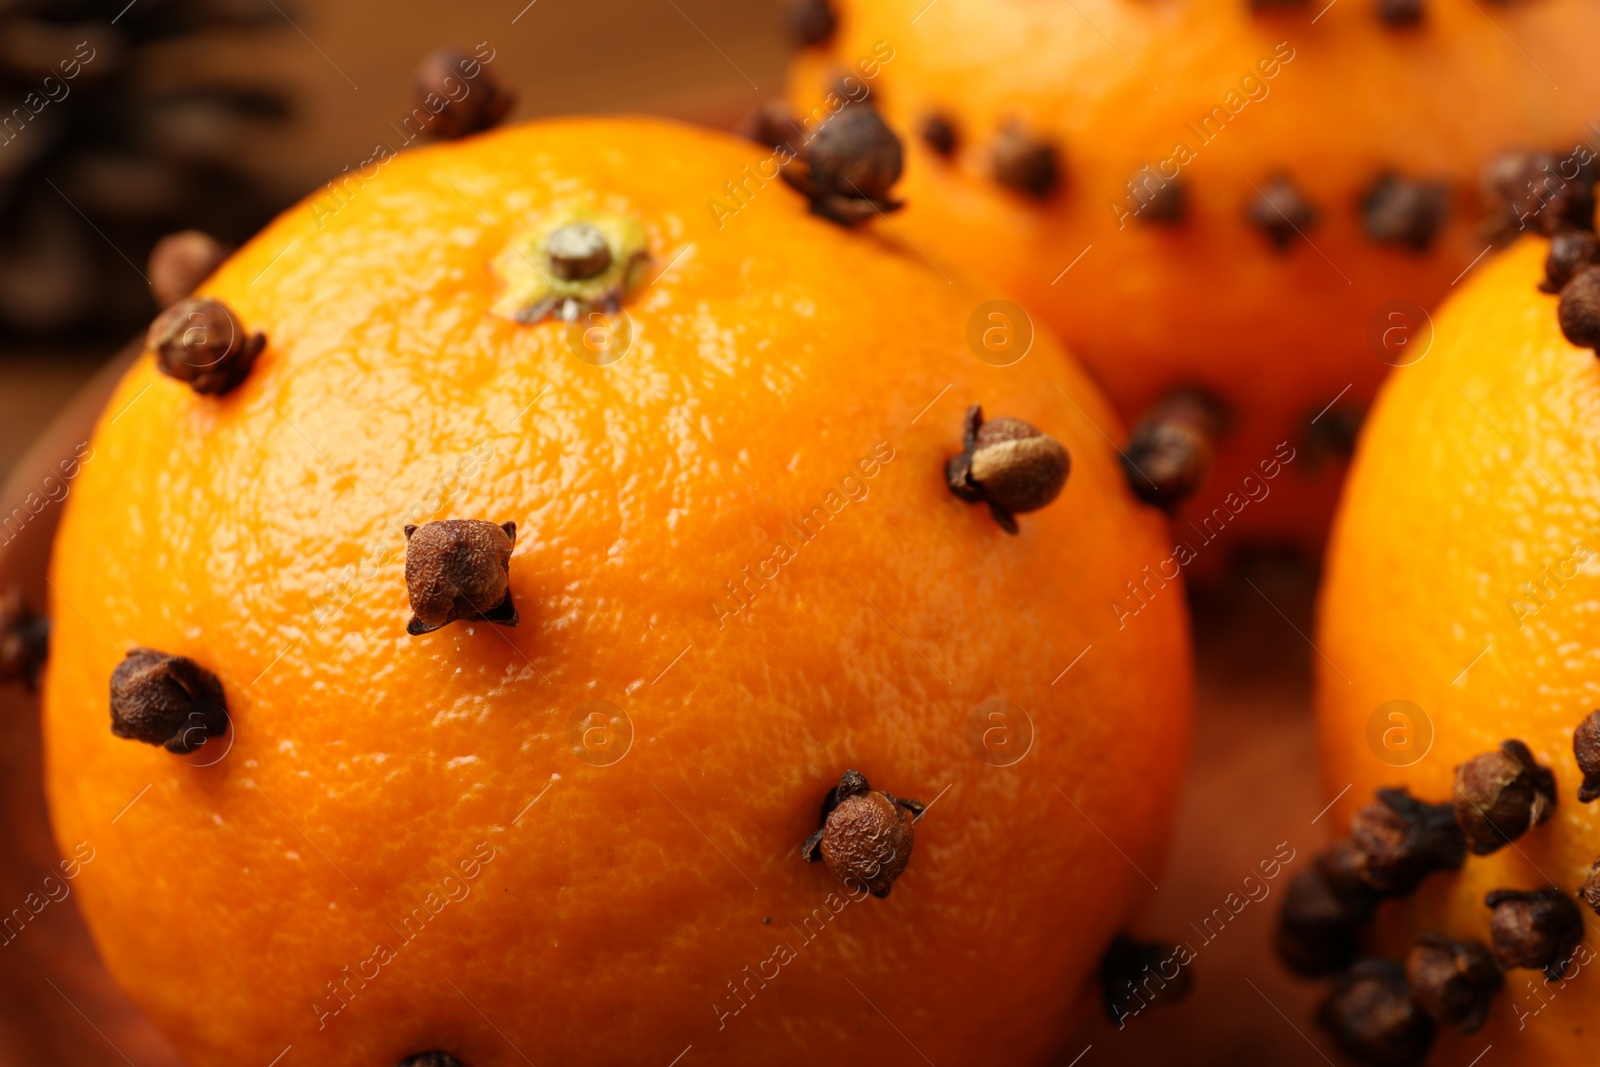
{"x":217,"y":114}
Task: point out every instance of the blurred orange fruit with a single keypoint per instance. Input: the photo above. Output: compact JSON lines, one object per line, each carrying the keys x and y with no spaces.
{"x":739,"y":572}
{"x":1462,"y":581}
{"x":1258,"y":200}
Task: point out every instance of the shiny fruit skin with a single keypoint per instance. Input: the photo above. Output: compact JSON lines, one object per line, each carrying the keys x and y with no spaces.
{"x":1479,"y":467}
{"x":574,"y":912}
{"x":1209,"y":302}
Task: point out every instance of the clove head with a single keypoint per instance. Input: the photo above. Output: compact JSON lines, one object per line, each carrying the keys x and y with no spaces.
{"x":849,"y":167}
{"x":1372,"y":1016}
{"x":1589,"y":891}
{"x":1323,"y":912}
{"x":1400,"y":13}
{"x":1578,"y":311}
{"x":865,"y":836}
{"x":1398,"y":841}
{"x":1281,"y":212}
{"x":1133,"y":976}
{"x":166,"y":700}
{"x":1399,"y":210}
{"x":459,"y":569}
{"x":1528,"y":191}
{"x":940,"y":134}
{"x":1026,"y":163}
{"x":179,"y":262}
{"x":1538,"y":929}
{"x":1170,"y":450}
{"x":1453,"y":981}
{"x":811,"y":22}
{"x":459,"y":95}
{"x":1586,"y":748}
{"x":201,"y":342}
{"x":1570,"y":251}
{"x":24,"y":639}
{"x":1008,"y":464}
{"x":1501,"y":795}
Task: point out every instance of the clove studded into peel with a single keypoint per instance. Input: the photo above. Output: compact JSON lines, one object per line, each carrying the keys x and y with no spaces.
{"x":568,"y":263}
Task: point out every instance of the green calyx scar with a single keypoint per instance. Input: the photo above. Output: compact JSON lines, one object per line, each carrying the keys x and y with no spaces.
{"x":568,"y":264}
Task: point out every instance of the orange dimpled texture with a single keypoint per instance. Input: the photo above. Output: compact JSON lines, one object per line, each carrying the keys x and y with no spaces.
{"x":573,"y":834}
{"x":1260,"y":200}
{"x":1458,"y":613}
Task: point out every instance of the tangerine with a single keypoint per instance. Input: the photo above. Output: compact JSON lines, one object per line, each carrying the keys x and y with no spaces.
{"x":1455,"y":632}
{"x":712,"y":561}
{"x":1257,"y":201}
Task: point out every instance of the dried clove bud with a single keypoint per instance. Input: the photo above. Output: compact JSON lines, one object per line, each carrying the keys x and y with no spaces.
{"x":1026,"y":163}
{"x":1133,"y":977}
{"x":771,"y":124}
{"x":24,"y":639}
{"x":568,"y":264}
{"x":1453,"y":981}
{"x":1570,"y":252}
{"x":1538,"y":930}
{"x":1589,"y":891}
{"x":1169,"y":452}
{"x":1579,"y":309}
{"x":1331,"y":433}
{"x":1398,"y":210}
{"x":459,"y":569}
{"x":1528,"y":190}
{"x":1371,"y":1015}
{"x":578,"y":250}
{"x":166,"y":700}
{"x":940,"y":134}
{"x":199,"y":341}
{"x":1400,"y":12}
{"x":1501,"y":795}
{"x":459,"y":94}
{"x":1281,"y":212}
{"x":1323,"y":912}
{"x":1586,"y":747}
{"x":430,"y":1059}
{"x":1166,"y":206}
{"x":811,"y":22}
{"x":1398,"y":841}
{"x":1007,"y":464}
{"x":863,"y":835}
{"x":848,"y":87}
{"x":849,"y":166}
{"x":179,"y":262}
